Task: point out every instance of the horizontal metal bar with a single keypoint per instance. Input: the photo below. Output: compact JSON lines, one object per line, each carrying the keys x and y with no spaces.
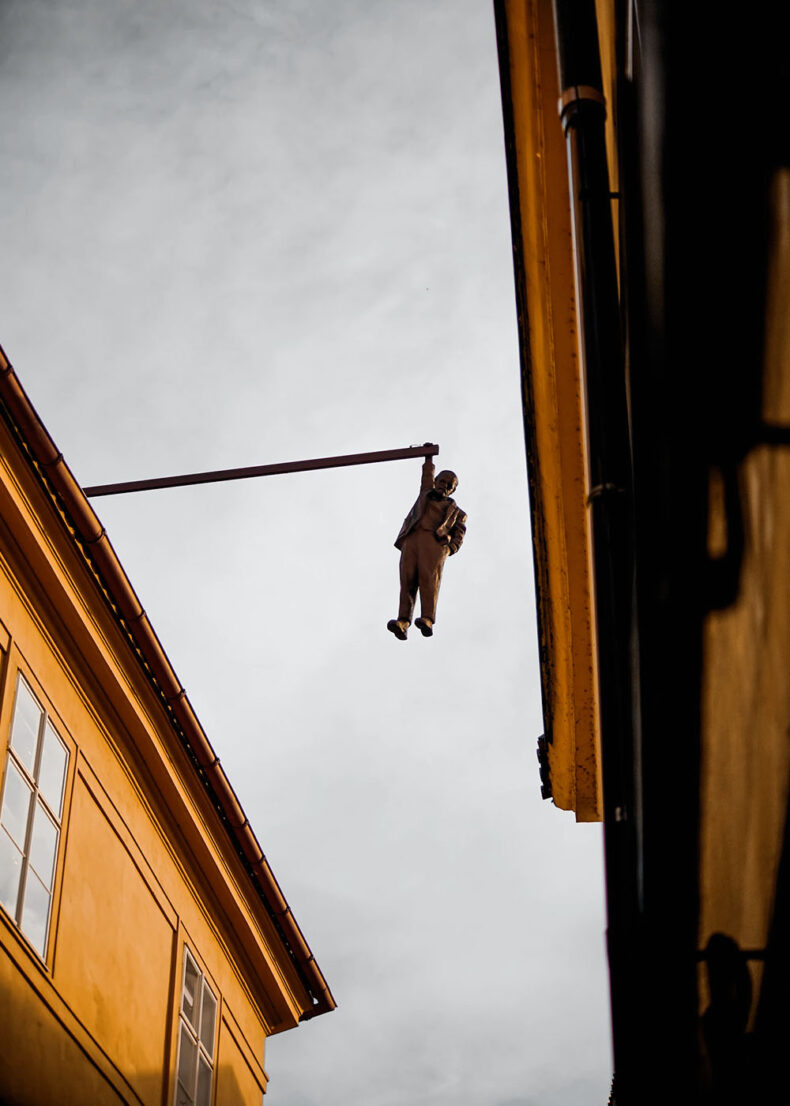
{"x":427,"y":450}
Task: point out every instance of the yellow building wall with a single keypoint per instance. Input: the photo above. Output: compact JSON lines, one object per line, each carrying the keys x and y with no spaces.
{"x":745,"y":752}
{"x":241,"y":1077}
{"x":121,"y":980}
{"x":36,"y":1050}
{"x":98,"y":1021}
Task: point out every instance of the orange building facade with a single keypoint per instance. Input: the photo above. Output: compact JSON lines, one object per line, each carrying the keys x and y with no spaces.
{"x":651,"y":240}
{"x":146,"y":950}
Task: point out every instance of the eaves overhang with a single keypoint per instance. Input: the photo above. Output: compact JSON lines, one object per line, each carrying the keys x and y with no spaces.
{"x":552,"y":395}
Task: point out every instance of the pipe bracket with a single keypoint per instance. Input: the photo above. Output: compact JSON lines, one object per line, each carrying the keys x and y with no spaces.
{"x":576,"y":93}
{"x":603,"y":489}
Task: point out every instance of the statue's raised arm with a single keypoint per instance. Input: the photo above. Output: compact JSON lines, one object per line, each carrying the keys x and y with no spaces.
{"x":433,"y":530}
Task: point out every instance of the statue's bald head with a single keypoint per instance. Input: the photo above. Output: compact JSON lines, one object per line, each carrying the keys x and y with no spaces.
{"x":446,"y":482}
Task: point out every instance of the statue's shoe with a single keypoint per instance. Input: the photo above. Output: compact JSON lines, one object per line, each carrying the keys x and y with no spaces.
{"x":398,"y":628}
{"x":425,"y":626}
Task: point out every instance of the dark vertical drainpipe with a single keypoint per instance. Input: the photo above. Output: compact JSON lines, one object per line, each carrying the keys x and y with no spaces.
{"x":583,"y":114}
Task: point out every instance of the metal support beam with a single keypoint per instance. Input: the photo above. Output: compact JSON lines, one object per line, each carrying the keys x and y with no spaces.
{"x":427,"y":450}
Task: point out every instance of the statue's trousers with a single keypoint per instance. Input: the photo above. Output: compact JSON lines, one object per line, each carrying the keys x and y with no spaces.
{"x":421,"y":562}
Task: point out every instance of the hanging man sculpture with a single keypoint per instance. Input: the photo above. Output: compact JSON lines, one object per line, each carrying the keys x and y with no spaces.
{"x":433,"y":530}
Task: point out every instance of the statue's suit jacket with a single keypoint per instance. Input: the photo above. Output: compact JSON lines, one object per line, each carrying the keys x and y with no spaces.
{"x":452,"y":524}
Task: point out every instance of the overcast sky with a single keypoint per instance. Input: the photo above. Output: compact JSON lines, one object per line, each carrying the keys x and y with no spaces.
{"x":254,"y":231}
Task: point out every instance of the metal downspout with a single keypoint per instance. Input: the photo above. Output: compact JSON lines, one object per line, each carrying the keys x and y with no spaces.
{"x":583,"y":114}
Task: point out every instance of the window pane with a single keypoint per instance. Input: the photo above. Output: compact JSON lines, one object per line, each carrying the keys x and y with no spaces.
{"x":43,"y":845}
{"x":207,"y":1019}
{"x":191,"y":985}
{"x":24,"y":729}
{"x":52,"y":771}
{"x":10,"y":871}
{"x":203,"y":1084}
{"x":187,"y":1056}
{"x":35,"y":913}
{"x":16,"y":804}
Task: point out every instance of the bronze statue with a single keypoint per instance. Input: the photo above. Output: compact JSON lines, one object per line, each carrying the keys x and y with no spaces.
{"x":433,"y":530}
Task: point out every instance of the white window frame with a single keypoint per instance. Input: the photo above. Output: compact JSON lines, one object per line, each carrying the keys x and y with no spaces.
{"x":31,"y":779}
{"x":204,"y":1049}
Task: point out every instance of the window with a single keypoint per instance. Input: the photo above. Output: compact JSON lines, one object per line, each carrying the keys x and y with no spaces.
{"x":196,"y":1031}
{"x":30,"y":817}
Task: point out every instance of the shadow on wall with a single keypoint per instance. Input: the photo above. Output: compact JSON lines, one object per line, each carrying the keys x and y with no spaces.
{"x":41,"y":1064}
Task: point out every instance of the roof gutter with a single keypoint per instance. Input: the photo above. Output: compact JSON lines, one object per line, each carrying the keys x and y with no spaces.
{"x":119,"y":595}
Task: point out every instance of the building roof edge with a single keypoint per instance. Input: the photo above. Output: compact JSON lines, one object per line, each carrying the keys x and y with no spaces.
{"x":94,"y":547}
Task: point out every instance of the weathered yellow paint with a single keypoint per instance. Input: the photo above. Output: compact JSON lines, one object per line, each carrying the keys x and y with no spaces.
{"x":144,"y":865}
{"x":554,"y":402}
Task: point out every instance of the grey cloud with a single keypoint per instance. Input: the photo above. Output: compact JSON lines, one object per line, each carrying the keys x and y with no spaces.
{"x":247,"y":232}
